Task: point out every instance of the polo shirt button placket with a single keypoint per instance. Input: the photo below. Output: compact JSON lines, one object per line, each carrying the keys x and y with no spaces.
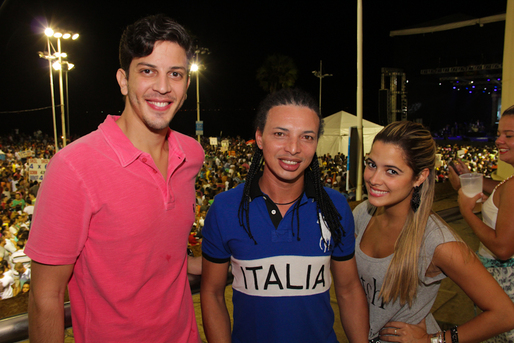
{"x":144,"y":160}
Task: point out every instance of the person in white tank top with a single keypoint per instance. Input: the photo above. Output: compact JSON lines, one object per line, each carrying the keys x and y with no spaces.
{"x":496,"y":229}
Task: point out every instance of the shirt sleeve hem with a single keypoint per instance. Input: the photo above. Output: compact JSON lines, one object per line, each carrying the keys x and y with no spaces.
{"x":50,"y":260}
{"x":343,"y":258}
{"x":215,"y":260}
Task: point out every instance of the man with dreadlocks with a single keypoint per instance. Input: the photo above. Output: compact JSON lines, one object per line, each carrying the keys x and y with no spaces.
{"x":283,"y":233}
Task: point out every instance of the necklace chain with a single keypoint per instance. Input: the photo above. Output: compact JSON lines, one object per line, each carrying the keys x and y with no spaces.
{"x":501,"y":183}
{"x":287,"y":203}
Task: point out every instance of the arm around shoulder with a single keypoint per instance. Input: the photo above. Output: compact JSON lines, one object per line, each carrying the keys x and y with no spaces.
{"x":46,"y":302}
{"x":194,"y":265}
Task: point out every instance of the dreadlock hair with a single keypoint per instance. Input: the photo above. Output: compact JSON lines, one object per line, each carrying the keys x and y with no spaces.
{"x":324,"y":205}
{"x":244,"y":205}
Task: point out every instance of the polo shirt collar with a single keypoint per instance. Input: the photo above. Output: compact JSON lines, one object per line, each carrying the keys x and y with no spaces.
{"x":122,"y":146}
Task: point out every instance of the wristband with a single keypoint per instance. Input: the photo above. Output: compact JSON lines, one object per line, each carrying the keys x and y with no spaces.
{"x":454,"y":334}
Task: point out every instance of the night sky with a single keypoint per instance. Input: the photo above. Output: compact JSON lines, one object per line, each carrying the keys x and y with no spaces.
{"x":240,"y":36}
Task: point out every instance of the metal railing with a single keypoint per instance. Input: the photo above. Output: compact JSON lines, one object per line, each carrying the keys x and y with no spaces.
{"x":16,"y":328}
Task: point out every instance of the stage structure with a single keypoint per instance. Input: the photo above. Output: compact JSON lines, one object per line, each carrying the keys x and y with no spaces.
{"x":392,"y":96}
{"x":484,"y":77}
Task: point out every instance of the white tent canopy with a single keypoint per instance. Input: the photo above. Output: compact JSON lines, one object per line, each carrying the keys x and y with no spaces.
{"x":337,"y":133}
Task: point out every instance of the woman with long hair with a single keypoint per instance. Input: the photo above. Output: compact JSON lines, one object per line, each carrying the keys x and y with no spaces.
{"x":403,"y":249}
{"x":496,"y":228}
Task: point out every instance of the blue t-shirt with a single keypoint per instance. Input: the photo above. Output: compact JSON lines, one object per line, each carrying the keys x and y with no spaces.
{"x":281,"y":284}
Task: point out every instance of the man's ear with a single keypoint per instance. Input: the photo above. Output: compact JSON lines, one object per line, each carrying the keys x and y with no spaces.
{"x":121,"y":76}
{"x":258,"y":138}
{"x":422,"y":177}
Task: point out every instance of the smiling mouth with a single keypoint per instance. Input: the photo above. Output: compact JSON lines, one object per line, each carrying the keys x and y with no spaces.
{"x":159,"y":104}
{"x":291,"y":163}
{"x":377,"y":192}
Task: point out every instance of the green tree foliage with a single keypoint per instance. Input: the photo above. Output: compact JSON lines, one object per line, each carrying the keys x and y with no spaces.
{"x":277,"y":72}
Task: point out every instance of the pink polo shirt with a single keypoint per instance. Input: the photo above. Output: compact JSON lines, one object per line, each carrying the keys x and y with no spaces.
{"x":105,"y":207}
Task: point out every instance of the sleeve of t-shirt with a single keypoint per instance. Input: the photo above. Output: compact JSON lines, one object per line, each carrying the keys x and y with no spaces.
{"x":437,"y":233}
{"x":214,"y":248}
{"x":346,"y":249}
{"x":62,"y":215}
{"x":359,"y":215}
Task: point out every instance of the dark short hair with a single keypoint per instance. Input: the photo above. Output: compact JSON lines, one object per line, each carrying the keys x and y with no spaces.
{"x":138,"y":39}
{"x":284,"y":97}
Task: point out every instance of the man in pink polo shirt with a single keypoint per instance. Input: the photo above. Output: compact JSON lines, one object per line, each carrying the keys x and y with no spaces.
{"x":115,"y":209}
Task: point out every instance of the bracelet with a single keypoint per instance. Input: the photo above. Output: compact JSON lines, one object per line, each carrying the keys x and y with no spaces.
{"x":454,"y":334}
{"x":438,"y":338}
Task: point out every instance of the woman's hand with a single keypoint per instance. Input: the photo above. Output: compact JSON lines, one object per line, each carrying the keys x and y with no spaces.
{"x":460,"y":167}
{"x":454,"y":170}
{"x":403,"y":332}
{"x":467,"y":204}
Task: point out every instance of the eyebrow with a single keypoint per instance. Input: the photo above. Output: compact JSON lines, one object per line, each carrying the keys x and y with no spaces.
{"x":144,"y":64}
{"x":387,"y":165}
{"x":284,"y":129}
{"x":394,"y":167}
{"x":177,"y":67}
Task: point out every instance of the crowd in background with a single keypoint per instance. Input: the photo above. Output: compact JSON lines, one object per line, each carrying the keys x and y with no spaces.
{"x":461,"y":130}
{"x":17,"y":206}
{"x":227,"y":161}
{"x":480,"y":159}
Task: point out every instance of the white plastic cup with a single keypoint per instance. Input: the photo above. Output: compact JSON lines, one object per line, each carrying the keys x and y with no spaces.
{"x":472,"y":184}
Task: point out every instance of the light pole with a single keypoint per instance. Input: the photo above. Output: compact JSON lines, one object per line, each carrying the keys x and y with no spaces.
{"x":48,"y":55}
{"x":58,"y":54}
{"x":66,"y":67}
{"x":319,"y":74}
{"x":195,"y":67}
{"x":58,"y":35}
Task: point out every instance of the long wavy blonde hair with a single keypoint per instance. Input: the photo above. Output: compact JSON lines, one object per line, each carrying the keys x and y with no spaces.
{"x":401,"y":279}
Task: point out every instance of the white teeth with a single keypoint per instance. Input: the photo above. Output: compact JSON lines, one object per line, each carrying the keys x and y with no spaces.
{"x":378,"y":192}
{"x":289,"y":162}
{"x":159,"y":104}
